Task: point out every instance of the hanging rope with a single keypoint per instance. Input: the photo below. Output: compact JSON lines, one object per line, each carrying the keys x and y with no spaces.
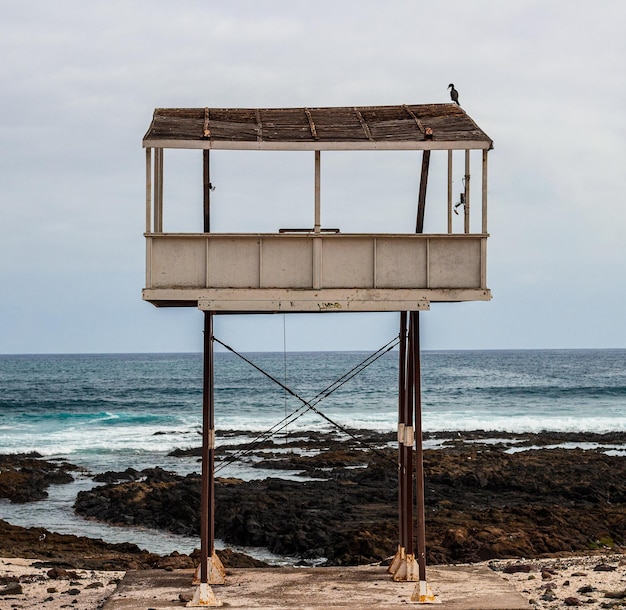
{"x":308,"y":405}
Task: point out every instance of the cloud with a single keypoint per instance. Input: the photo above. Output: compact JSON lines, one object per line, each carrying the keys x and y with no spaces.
{"x":80,"y":81}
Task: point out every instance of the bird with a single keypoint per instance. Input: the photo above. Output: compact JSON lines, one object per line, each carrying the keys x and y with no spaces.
{"x":454,"y":94}
{"x":42,"y":537}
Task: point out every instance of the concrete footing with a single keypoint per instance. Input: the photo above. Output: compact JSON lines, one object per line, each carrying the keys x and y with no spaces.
{"x":357,"y":588}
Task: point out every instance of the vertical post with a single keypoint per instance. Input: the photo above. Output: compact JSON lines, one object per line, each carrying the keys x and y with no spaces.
{"x":206,"y":190}
{"x":400,"y":556}
{"x":404,"y":567}
{"x":419,"y":451}
{"x":401,"y":430}
{"x":422,"y":592}
{"x":408,"y":449}
{"x":210,"y":570}
{"x":484,"y":187}
{"x":208,"y":453}
{"x":318,"y":211}
{"x":450,"y":195}
{"x":158,"y":190}
{"x":208,"y":417}
{"x":467,"y":192}
{"x":317,"y":226}
{"x":148,"y":190}
{"x":421,"y":201}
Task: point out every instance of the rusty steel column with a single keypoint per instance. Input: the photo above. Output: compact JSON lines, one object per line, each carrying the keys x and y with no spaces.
{"x":207,"y":516}
{"x":210,"y":571}
{"x":419,"y":451}
{"x":404,"y":566}
{"x":401,"y":433}
{"x":408,"y":442}
{"x":400,"y":553}
{"x":422,"y":592}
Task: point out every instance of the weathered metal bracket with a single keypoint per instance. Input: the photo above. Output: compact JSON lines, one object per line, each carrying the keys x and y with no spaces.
{"x":215,"y":570}
{"x":203,"y":597}
{"x":397,"y":559}
{"x":423,"y":594}
{"x":407,"y":569}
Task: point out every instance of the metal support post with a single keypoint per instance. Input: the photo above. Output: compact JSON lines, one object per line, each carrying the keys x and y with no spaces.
{"x":403,"y":566}
{"x":400,"y":553}
{"x":422,"y":592}
{"x":408,"y":443}
{"x":210,"y":571}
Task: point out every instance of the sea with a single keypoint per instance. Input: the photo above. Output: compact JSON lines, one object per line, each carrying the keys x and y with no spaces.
{"x":114,"y":411}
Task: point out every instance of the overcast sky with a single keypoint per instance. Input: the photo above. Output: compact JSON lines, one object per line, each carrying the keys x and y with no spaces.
{"x":80,"y":81}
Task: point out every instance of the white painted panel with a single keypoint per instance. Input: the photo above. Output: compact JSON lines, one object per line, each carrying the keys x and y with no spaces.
{"x":178,"y":262}
{"x":278,"y":264}
{"x":400,"y":262}
{"x":233,"y":262}
{"x":287,"y":262}
{"x":454,"y":263}
{"x":348,"y":262}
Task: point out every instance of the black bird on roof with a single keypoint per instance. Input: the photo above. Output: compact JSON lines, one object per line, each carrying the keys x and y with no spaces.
{"x":454,"y":94}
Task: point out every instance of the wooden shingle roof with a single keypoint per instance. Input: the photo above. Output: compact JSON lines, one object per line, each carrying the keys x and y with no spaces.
{"x":403,"y":127}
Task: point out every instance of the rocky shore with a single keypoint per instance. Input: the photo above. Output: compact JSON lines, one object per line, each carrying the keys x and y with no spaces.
{"x":486,"y":498}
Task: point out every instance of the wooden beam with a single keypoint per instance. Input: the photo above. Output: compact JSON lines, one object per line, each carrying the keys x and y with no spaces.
{"x":259,"y":126}
{"x":206,"y":132}
{"x":366,"y":129}
{"x":317,"y":144}
{"x":425,"y":130}
{"x":311,"y":124}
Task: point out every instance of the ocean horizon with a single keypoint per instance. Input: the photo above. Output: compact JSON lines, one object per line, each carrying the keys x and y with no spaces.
{"x":81,"y":399}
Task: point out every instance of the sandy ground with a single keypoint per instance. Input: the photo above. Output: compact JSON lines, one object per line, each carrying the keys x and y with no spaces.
{"x":23,"y":584}
{"x":597,"y":581}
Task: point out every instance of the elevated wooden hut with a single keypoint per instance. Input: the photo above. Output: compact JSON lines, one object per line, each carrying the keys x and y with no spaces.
{"x":311,"y":269}
{"x":314,"y":269}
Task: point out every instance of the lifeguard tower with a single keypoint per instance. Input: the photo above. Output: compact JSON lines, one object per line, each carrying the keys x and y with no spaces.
{"x":313,"y":269}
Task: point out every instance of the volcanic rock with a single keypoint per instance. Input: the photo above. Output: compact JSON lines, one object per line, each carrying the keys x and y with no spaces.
{"x":25,"y":477}
{"x":481,"y":503}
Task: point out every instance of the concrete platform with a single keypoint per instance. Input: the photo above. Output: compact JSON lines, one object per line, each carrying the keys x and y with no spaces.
{"x":358,"y":588}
